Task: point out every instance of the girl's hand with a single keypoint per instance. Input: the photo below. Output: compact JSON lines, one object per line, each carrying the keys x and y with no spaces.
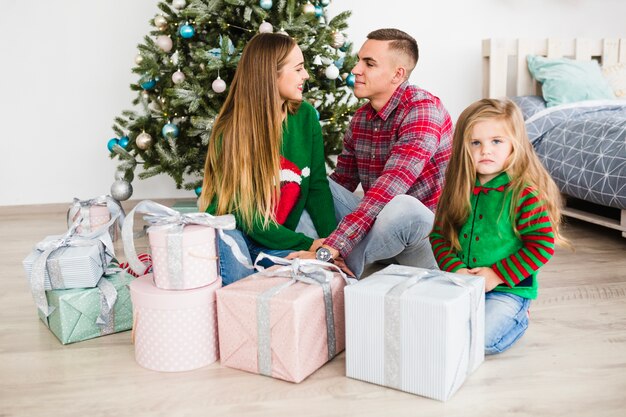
{"x":463,"y":271}
{"x":492,"y":280}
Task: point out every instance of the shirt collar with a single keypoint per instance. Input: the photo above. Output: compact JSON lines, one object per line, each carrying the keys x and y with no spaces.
{"x":391,"y":104}
{"x":497,"y":181}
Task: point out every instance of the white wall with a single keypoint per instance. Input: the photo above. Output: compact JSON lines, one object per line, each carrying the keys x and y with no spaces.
{"x":66,"y":68}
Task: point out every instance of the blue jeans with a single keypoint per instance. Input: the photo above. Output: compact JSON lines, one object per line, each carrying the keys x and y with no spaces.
{"x":232,"y":270}
{"x":399,"y":234}
{"x":506,"y":320}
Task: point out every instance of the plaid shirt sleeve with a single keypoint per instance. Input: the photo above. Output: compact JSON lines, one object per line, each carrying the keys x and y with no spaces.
{"x":346,"y":173}
{"x":417,"y":140}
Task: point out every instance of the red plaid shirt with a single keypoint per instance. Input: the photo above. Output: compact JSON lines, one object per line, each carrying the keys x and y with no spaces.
{"x":402,"y":149}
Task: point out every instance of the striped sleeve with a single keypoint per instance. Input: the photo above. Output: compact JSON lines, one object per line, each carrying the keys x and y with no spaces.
{"x":444,"y":254}
{"x":535,"y":229}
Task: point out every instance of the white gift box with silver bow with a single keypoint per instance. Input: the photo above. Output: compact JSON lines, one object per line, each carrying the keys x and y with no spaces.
{"x":415,"y":330}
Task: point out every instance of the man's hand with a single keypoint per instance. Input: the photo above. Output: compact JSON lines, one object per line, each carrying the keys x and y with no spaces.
{"x":316,"y":245}
{"x":339,"y":261}
{"x":492,"y":280}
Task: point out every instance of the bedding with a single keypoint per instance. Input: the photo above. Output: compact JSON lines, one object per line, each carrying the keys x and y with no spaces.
{"x":583,"y":147}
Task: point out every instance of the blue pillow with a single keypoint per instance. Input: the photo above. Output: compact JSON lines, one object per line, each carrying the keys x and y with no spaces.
{"x":564,"y":80}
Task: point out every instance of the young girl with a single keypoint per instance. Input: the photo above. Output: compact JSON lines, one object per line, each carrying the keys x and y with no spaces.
{"x":498,"y":216}
{"x":265,"y":161}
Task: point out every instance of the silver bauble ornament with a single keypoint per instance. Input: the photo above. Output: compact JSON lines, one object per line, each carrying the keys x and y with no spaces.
{"x":124,"y":175}
{"x":324,"y":2}
{"x":308,"y":8}
{"x":331,"y":72}
{"x":178,"y":77}
{"x":138,"y":59}
{"x":219,"y":86}
{"x":160,"y":22}
{"x":338,"y":40}
{"x":179,"y":4}
{"x":143,"y":141}
{"x":121,"y":190}
{"x":165,"y":43}
{"x":266,"y":27}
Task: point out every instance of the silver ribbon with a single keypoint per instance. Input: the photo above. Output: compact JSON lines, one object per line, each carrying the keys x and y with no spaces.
{"x":393,"y":323}
{"x":108,"y":298}
{"x":82,"y":207}
{"x":100,"y":237}
{"x":308,"y":271}
{"x":161,"y":217}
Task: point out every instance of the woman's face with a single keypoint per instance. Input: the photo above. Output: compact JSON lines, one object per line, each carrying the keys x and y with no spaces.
{"x":292,"y":76}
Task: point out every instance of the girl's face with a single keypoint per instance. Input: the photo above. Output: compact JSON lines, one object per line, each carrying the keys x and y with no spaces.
{"x":292,"y":76}
{"x":490,"y":146}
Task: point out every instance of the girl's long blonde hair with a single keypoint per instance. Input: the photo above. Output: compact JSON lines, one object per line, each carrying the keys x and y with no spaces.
{"x":523,"y":167}
{"x":243,"y":158}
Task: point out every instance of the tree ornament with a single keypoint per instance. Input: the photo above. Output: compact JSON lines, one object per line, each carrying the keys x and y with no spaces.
{"x":324,"y":2}
{"x":170,"y":130}
{"x":308,"y":8}
{"x":111,"y":143}
{"x":319,"y":11}
{"x":317,"y":60}
{"x":339,"y":62}
{"x":219,"y":86}
{"x":187,"y":31}
{"x":121,"y":190}
{"x":165,"y":43}
{"x":265,"y":27}
{"x":283,"y":32}
{"x":160,"y":22}
{"x":147,"y":84}
{"x":123,"y":142}
{"x":317,"y":113}
{"x":345,"y":46}
{"x":143,"y":141}
{"x":179,"y":4}
{"x":198,"y":191}
{"x":331,"y":72}
{"x":178,"y":77}
{"x":266,"y":4}
{"x":138,"y":59}
{"x":338,"y":40}
{"x":124,"y":175}
{"x":350,"y":80}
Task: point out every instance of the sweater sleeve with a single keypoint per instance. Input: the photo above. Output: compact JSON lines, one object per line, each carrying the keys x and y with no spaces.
{"x":444,"y":254}
{"x":537,"y":235}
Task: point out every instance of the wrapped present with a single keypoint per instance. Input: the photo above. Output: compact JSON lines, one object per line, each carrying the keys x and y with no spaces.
{"x":186,"y":206}
{"x":81,"y":314}
{"x":174,"y":330}
{"x":67,"y":261}
{"x":285,"y":322}
{"x":95,"y":213}
{"x":183,"y":246}
{"x":415,"y":330}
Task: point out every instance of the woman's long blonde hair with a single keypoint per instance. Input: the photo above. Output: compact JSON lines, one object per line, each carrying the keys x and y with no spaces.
{"x":523,"y":167}
{"x":243,"y":158}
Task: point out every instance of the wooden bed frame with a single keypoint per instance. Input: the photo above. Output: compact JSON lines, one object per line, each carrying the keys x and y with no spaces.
{"x":505,"y":73}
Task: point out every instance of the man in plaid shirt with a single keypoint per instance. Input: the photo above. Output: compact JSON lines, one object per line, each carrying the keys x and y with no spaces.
{"x":397,"y":147}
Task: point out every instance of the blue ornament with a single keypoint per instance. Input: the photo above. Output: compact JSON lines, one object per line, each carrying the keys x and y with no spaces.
{"x":198,"y":191}
{"x":345,"y":46}
{"x":317,"y":113}
{"x":170,"y":130}
{"x":123,"y":142}
{"x":148,"y":85}
{"x":350,"y":80}
{"x":187,"y":31}
{"x":319,"y":11}
{"x":339,"y":62}
{"x":266,"y":4}
{"x":111,"y":143}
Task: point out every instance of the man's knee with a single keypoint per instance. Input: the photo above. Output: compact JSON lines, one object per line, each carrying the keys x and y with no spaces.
{"x":406,"y":209}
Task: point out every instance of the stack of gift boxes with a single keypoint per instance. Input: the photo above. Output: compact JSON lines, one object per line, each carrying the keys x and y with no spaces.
{"x":406,"y":328}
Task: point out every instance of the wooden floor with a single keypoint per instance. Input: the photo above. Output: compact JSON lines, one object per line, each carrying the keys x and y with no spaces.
{"x":571,"y":362}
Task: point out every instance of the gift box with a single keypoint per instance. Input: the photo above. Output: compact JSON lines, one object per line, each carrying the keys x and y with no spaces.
{"x":186,"y":206}
{"x":183,"y":246}
{"x":283,"y":327}
{"x":82,"y":314}
{"x":174,"y":330}
{"x":96,"y":213}
{"x":415,"y":330}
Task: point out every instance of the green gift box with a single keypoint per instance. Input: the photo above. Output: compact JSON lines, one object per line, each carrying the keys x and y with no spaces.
{"x":186,"y":206}
{"x":82,"y":314}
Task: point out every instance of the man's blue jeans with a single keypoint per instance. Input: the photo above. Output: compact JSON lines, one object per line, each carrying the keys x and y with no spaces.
{"x":399,"y":234}
{"x":506,"y":320}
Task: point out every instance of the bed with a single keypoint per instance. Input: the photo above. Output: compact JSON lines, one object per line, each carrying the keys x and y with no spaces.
{"x":581,"y":143}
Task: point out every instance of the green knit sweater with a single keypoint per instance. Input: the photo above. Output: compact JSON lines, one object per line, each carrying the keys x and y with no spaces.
{"x":488,"y":238}
{"x":303,"y":147}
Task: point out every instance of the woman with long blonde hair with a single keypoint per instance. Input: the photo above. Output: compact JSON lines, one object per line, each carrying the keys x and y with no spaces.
{"x":498,"y":217}
{"x":265,"y":162}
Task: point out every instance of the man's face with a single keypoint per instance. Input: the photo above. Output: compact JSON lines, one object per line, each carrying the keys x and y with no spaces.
{"x":375,"y":71}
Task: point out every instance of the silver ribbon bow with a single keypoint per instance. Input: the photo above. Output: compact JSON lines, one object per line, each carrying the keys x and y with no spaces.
{"x":162,"y":217}
{"x":308,"y":271}
{"x":100,"y":237}
{"x":82,"y":207}
{"x":393,"y":323}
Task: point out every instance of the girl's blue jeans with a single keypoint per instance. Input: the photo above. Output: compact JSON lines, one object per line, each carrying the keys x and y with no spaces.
{"x":506,"y":320}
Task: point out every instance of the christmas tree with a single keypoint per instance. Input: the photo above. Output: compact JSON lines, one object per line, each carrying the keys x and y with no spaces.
{"x":184,"y":68}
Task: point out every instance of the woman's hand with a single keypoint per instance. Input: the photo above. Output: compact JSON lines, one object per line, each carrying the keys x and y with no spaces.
{"x":492,"y":280}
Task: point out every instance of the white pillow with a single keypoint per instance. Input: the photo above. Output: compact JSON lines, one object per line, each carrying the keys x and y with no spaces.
{"x":616,"y":76}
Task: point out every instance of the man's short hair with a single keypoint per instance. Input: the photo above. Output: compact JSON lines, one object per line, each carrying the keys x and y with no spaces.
{"x":399,"y":41}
